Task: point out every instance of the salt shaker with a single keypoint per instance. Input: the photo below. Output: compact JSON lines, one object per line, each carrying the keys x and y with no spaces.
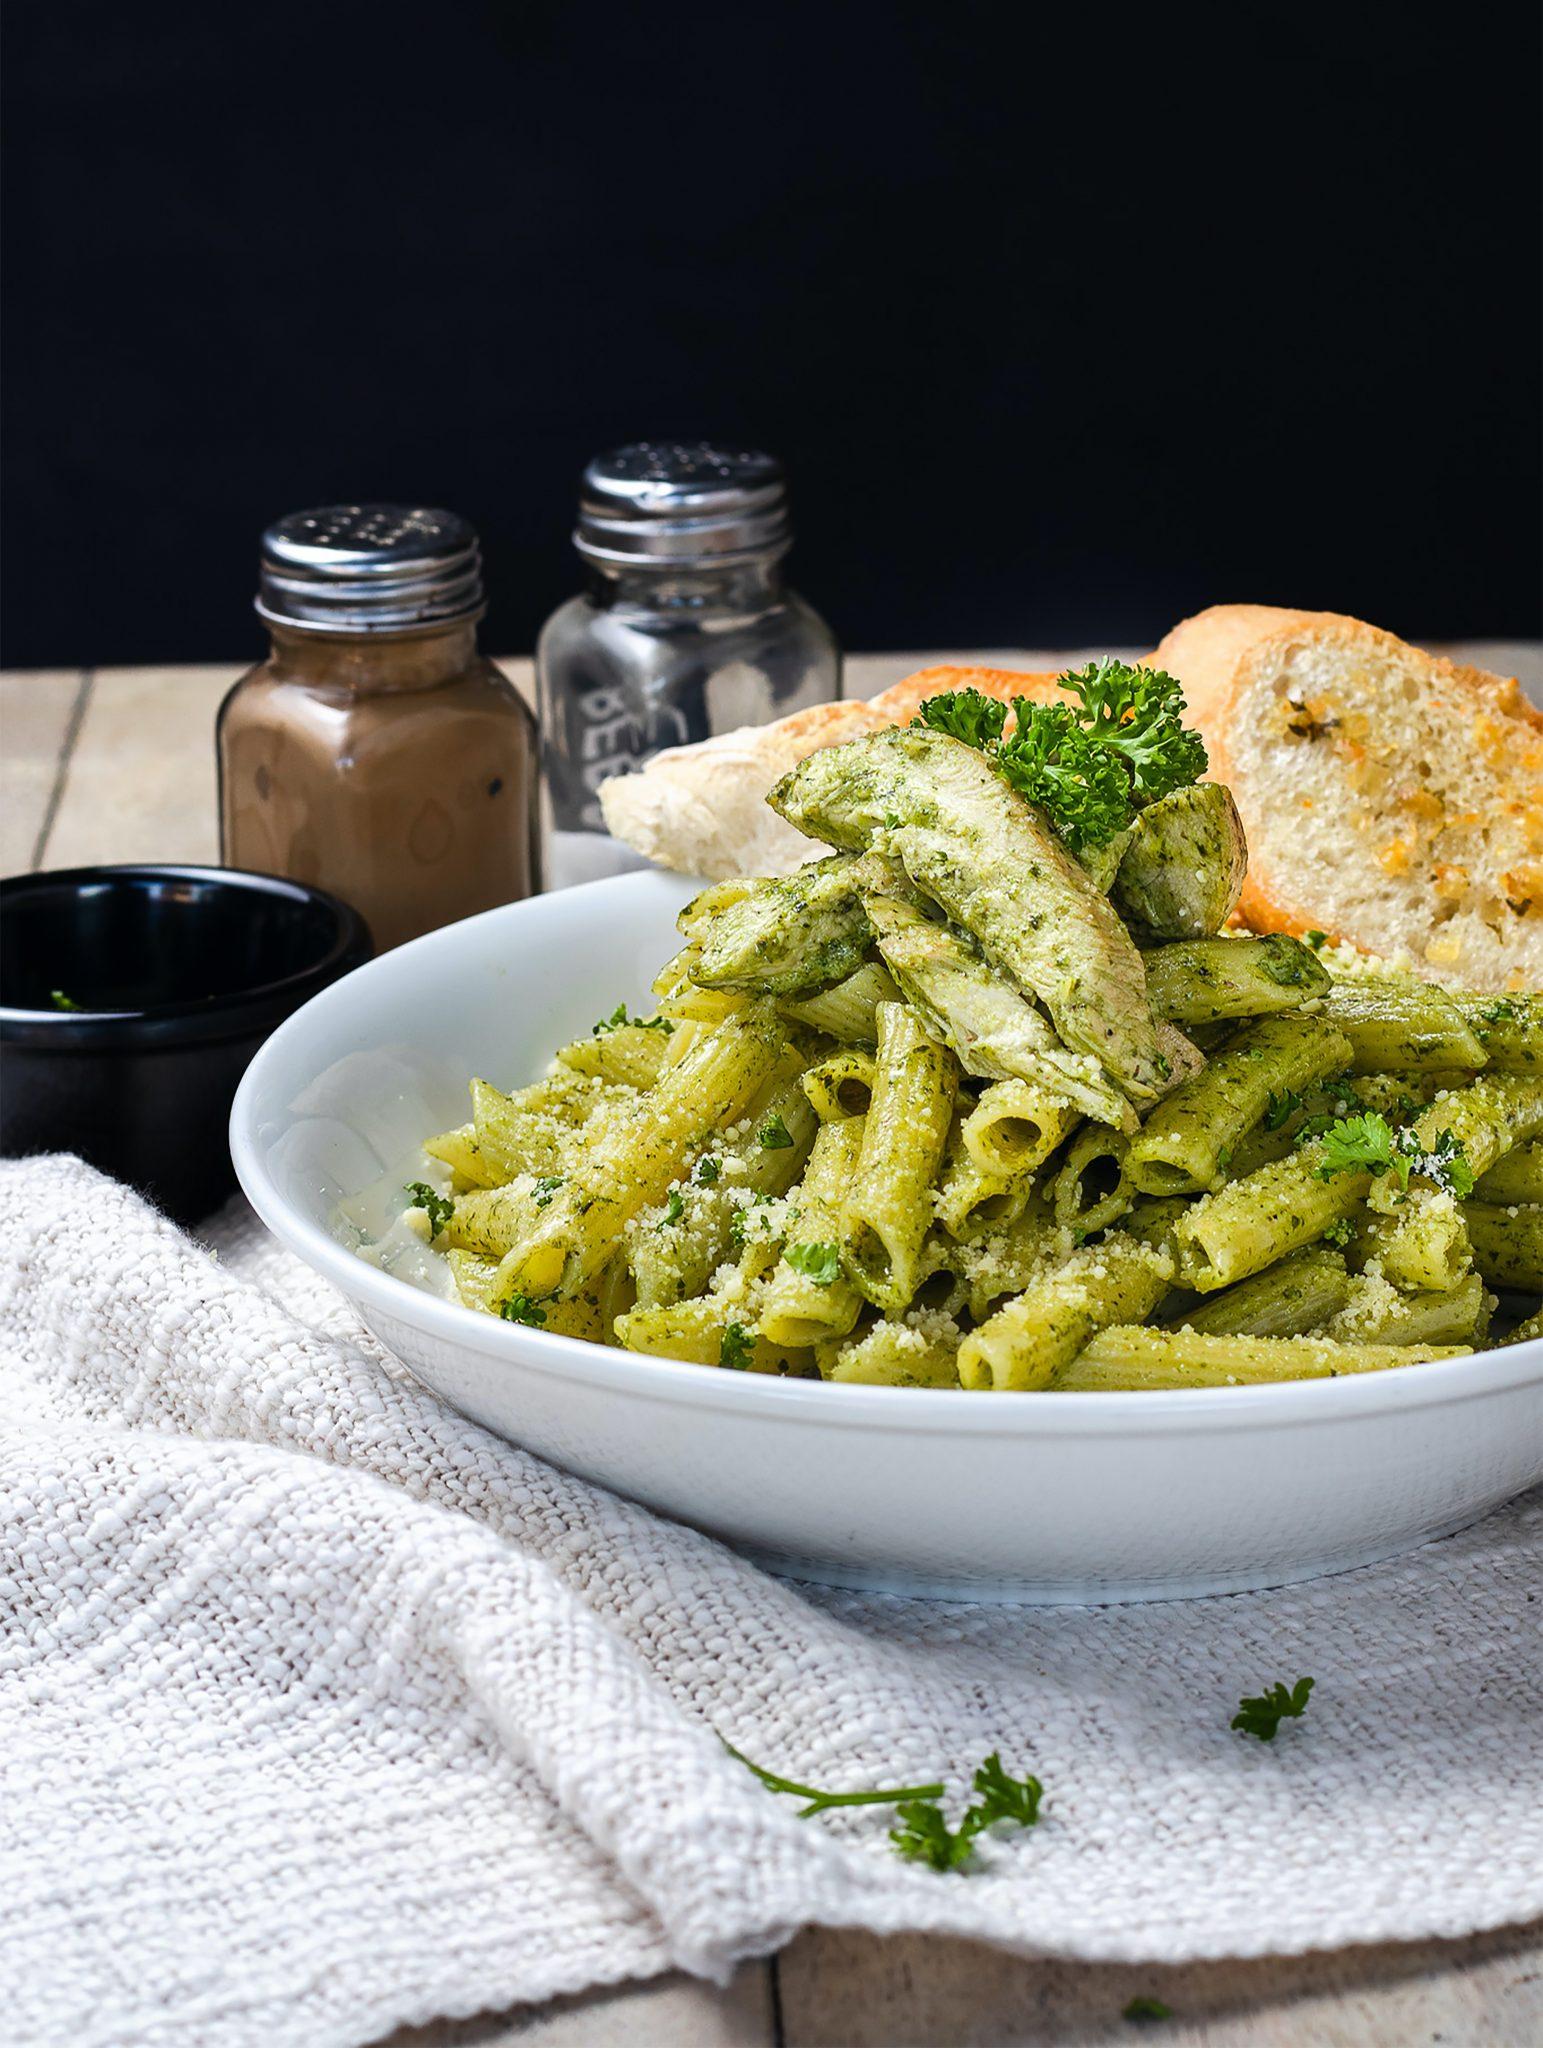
{"x":685,"y":628}
{"x":376,"y":753}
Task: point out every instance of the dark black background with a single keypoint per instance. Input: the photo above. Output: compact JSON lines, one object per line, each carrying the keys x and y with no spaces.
{"x":1064,"y":324}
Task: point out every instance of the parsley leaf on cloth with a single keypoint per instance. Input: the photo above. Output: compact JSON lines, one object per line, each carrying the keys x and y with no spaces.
{"x":1262,"y":1714}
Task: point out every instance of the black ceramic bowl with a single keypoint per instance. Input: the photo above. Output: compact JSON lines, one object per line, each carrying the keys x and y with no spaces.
{"x":131,"y":999}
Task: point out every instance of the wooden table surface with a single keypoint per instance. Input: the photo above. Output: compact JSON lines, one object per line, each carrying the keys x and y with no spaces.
{"x":118,"y":765}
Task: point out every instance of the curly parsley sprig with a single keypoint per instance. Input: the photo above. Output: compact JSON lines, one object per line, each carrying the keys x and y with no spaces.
{"x":1091,"y":764}
{"x":1139,"y":712}
{"x":1080,"y":784}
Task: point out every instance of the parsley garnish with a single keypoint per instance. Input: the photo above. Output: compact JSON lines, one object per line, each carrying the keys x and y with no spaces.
{"x":439,"y":1208}
{"x":773,"y":1136}
{"x":1358,"y":1144}
{"x":820,"y":1263}
{"x":1004,"y":1797}
{"x":964,"y":715}
{"x":708,"y":1170}
{"x":1263,"y":1714}
{"x":61,"y":1001}
{"x":741,"y":1219}
{"x":1144,"y":2008}
{"x":1446,"y":1163}
{"x":1089,"y":764}
{"x":520,"y":1308}
{"x":1056,"y":763}
{"x":1368,"y":1144}
{"x":1497,"y":1013}
{"x":736,"y":1347}
{"x":1339,"y":1233}
{"x":1140,"y":713}
{"x":674,"y":1208}
{"x":924,"y":1835}
{"x":1317,"y":940}
{"x":619,"y":1017}
{"x":547,"y":1185}
{"x":1279,"y":1107}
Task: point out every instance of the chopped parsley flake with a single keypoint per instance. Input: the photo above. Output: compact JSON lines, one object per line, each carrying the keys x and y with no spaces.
{"x":708,"y":1170}
{"x":736,"y":1347}
{"x":619,"y":1017}
{"x":1317,"y":940}
{"x":61,"y":1001}
{"x":1144,"y":2008}
{"x":520,"y":1308}
{"x":773,"y":1136}
{"x":547,"y":1185}
{"x":820,"y":1263}
{"x":674,"y":1208}
{"x":438,"y":1208}
{"x":1279,"y":1107}
{"x":1263,"y":1713}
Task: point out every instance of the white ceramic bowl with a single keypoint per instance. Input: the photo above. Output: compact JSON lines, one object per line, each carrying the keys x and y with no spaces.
{"x":1030,"y":1497}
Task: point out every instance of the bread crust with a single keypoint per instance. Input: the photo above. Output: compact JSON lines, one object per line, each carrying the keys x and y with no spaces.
{"x":1206,"y":653}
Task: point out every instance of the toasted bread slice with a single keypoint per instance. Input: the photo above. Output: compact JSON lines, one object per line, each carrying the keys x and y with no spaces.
{"x":1391,"y":799}
{"x":702,"y":809}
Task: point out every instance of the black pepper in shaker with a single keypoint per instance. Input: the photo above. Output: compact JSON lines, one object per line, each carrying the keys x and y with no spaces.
{"x":376,"y":753}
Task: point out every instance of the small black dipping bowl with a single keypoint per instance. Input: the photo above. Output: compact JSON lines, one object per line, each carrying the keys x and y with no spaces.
{"x":131,"y":999}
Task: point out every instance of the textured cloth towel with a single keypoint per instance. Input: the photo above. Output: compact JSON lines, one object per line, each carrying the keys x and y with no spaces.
{"x":322,"y":1710}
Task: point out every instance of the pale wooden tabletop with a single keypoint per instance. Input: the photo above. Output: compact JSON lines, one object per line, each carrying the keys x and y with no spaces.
{"x":118,"y":765}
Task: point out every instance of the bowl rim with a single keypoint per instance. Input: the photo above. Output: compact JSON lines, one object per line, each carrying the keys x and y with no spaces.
{"x":931,"y":1410}
{"x":231,"y":1015}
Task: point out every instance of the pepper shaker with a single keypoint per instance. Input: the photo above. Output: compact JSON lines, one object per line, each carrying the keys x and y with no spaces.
{"x":376,"y":753}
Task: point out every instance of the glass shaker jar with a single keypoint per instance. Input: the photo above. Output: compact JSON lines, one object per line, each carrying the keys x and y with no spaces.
{"x":685,"y":628}
{"x":376,"y":753}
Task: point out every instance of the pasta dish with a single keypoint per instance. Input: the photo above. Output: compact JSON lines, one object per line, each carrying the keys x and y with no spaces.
{"x":987,"y":1095}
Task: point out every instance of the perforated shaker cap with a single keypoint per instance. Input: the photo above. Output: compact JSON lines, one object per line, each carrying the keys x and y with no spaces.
{"x":370,"y":569}
{"x":677,"y":503}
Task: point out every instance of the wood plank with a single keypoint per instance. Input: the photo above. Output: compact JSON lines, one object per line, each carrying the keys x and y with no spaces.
{"x":847,"y":1990}
{"x":141,"y":783}
{"x":39,"y":712}
{"x":667,"y":2012}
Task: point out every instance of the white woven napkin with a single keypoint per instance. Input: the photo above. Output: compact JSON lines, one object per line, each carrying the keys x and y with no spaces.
{"x":323,"y":1710}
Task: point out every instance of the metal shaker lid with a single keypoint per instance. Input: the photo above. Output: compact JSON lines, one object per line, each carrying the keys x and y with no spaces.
{"x":370,"y":569}
{"x":683,"y":502}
